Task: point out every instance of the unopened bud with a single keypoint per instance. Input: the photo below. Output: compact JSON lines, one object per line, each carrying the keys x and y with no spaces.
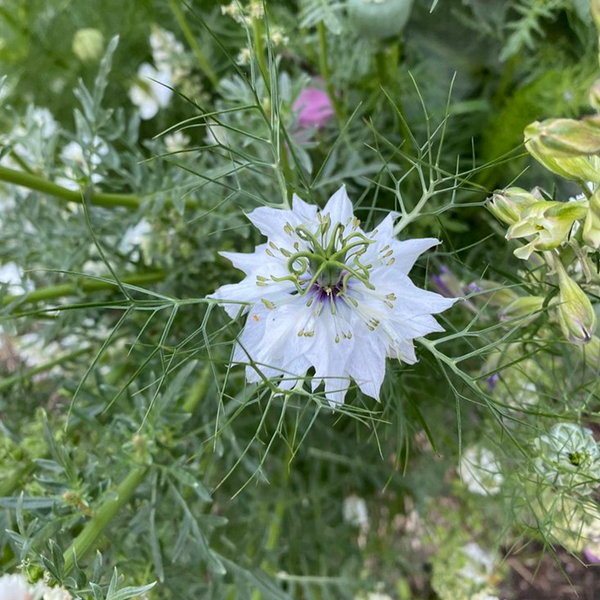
{"x":88,"y":44}
{"x":526,"y":308}
{"x":493,"y":293}
{"x":547,"y":224}
{"x":379,"y":19}
{"x":566,"y":149}
{"x":575,"y":311}
{"x":591,"y":226}
{"x":591,"y":353}
{"x":507,"y":205}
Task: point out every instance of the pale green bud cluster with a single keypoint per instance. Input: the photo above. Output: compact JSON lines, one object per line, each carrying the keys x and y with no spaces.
{"x":88,"y":44}
{"x":569,"y":458}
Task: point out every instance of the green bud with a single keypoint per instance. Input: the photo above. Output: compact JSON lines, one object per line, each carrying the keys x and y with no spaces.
{"x":591,"y":226}
{"x":564,"y":138}
{"x":379,"y":19}
{"x":88,"y":44}
{"x":570,"y":157}
{"x":591,"y":353}
{"x":493,"y":293}
{"x":507,"y":205}
{"x":522,"y":308}
{"x":547,"y":224}
{"x":576,"y":314}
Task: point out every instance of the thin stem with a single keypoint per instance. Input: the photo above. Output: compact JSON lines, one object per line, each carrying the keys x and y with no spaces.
{"x":203,"y":62}
{"x":326,"y":73}
{"x":85,"y":285}
{"x":259,"y":50}
{"x":88,"y":538}
{"x":413,"y":214}
{"x":41,"y":184}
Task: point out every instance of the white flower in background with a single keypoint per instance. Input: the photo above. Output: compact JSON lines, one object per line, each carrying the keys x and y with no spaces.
{"x":324,"y":294}
{"x":177,"y":141}
{"x":355,"y":512}
{"x":378,"y":596}
{"x":478,"y":565}
{"x":164,"y":47}
{"x":244,"y":57}
{"x":150,"y":93}
{"x":74,"y":157}
{"x":12,"y":275}
{"x":569,"y":458}
{"x":15,"y":587}
{"x":480,"y":471}
{"x":136,"y":236}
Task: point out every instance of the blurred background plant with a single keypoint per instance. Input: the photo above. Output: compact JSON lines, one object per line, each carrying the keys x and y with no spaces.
{"x":133,"y":138}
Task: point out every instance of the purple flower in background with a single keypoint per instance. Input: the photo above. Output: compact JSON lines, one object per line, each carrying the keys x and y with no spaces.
{"x":314,"y":108}
{"x":591,"y":557}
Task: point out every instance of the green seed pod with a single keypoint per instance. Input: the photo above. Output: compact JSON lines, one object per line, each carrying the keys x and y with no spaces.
{"x":526,"y":308}
{"x":379,"y":19}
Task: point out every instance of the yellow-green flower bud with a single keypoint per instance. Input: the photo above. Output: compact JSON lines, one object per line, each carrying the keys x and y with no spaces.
{"x":88,"y":44}
{"x":591,"y":226}
{"x":526,"y":308}
{"x":564,"y":138}
{"x":547,"y":224}
{"x":507,"y":205}
{"x":576,"y":314}
{"x":493,"y":293}
{"x":573,"y":158}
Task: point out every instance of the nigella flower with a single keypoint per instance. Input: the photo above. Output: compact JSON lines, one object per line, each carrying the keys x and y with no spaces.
{"x":569,"y":458}
{"x":152,"y":90}
{"x":16,"y":587}
{"x":480,"y":471}
{"x":313,"y":108}
{"x":323,"y":294}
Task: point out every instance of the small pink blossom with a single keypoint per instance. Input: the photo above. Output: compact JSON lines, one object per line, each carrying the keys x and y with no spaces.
{"x":314,"y":108}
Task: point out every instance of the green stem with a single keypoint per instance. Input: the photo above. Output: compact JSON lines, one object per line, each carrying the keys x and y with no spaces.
{"x":326,"y":73}
{"x":198,"y":391}
{"x":86,"y":285}
{"x":189,"y":36}
{"x":412,"y":215}
{"x":7,"y":382}
{"x":41,"y":184}
{"x":259,"y":49}
{"x":35,"y":182}
{"x":88,"y":538}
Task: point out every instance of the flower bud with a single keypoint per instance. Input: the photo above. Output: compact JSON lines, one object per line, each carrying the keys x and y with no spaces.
{"x":492,"y":292}
{"x":88,"y":44}
{"x":576,"y":314}
{"x":591,"y":226}
{"x":507,"y":205}
{"x":379,"y":19}
{"x":547,"y":223}
{"x":526,"y":308}
{"x":591,"y":354}
{"x":565,"y":149}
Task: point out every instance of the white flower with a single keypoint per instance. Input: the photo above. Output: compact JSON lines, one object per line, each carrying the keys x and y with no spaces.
{"x":134,"y":236}
{"x":12,"y":276}
{"x":15,"y":587}
{"x":569,"y":458}
{"x":164,"y":46}
{"x":480,"y":471}
{"x":244,"y":57}
{"x":150,"y":93}
{"x":323,"y":294}
{"x":355,"y":511}
{"x":175,"y":142}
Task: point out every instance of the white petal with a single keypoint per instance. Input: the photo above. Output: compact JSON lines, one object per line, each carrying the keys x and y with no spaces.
{"x":305,"y":211}
{"x":367,"y":363}
{"x":339,"y":207}
{"x":406,"y":252}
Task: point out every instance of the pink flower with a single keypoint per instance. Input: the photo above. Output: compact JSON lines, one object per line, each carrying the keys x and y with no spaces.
{"x":590,"y":557}
{"x":314,"y":108}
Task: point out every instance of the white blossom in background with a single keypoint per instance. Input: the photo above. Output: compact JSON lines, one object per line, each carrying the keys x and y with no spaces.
{"x":136,"y":237}
{"x":78,"y":164}
{"x":12,"y":275}
{"x":323,"y":294}
{"x":150,"y":93}
{"x":16,"y":587}
{"x":569,"y":458}
{"x":355,"y":512}
{"x":177,"y":141}
{"x":480,"y":471}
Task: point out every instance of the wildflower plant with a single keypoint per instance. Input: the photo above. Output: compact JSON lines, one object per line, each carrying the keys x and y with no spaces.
{"x":377,"y":393}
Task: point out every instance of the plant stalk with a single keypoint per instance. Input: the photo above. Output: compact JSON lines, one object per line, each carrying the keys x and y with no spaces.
{"x":88,"y":538}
